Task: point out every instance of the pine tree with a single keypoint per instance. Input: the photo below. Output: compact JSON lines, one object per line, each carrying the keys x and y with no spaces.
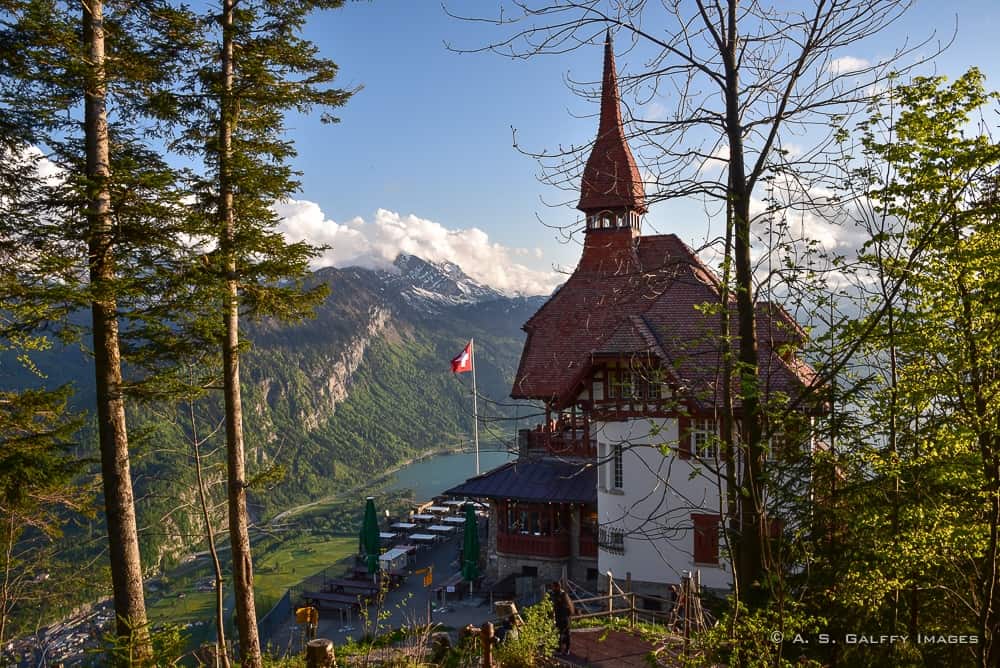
{"x":103,"y":220}
{"x":256,"y":69}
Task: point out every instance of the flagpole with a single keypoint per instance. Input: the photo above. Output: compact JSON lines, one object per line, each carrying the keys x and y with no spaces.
{"x":475,"y":404}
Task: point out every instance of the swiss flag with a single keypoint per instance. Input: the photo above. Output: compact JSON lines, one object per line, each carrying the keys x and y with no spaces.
{"x":463,"y":361}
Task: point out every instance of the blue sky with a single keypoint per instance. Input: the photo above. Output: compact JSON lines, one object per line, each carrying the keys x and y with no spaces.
{"x":426,"y":145}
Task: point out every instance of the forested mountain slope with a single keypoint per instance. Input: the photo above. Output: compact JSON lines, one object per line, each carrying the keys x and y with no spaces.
{"x":331,"y":400}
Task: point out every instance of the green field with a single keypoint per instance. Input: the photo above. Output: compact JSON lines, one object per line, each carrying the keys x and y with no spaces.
{"x":290,"y":562}
{"x":279,"y":565}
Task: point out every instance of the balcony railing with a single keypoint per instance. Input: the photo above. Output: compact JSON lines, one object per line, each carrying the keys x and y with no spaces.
{"x":611,"y":539}
{"x":535,"y":546}
{"x":572,"y":442}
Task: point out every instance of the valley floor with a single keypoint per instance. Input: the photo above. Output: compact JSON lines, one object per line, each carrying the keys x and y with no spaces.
{"x":404,"y":606}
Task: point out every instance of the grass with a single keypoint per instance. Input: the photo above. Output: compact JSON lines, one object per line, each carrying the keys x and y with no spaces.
{"x":172,"y":609}
{"x":290,"y":562}
{"x":277,"y":567}
{"x":194,"y":606}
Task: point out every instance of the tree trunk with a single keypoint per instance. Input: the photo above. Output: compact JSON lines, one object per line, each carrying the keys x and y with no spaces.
{"x":727,"y":420}
{"x":7,"y":600}
{"x":988,"y":441}
{"x":239,"y":536}
{"x":750,"y":564}
{"x":220,"y":619}
{"x":123,"y":539}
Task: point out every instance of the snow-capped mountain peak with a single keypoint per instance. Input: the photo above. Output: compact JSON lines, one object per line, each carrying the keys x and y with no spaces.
{"x":421,"y":281}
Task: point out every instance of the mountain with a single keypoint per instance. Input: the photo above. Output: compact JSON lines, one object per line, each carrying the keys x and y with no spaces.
{"x":435,"y":284}
{"x":367,"y":381}
{"x":332,"y":400}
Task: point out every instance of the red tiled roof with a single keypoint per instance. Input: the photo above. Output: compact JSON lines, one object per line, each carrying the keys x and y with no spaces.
{"x":633,"y":294}
{"x":656,"y":307}
{"x":611,"y":179}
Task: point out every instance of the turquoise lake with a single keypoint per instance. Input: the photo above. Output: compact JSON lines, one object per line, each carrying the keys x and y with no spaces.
{"x":429,"y":477}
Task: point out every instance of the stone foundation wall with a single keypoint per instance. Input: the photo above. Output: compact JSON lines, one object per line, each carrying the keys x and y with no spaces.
{"x":549,"y":570}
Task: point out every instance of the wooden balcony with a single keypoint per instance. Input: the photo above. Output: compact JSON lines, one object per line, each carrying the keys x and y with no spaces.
{"x":618,"y":409}
{"x":571,"y":442}
{"x":588,"y":546}
{"x":556,"y":546}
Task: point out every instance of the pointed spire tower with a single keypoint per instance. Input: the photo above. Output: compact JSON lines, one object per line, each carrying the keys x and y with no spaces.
{"x":611,"y":192}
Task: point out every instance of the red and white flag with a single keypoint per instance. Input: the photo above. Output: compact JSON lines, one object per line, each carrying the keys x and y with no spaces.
{"x":463,"y":362}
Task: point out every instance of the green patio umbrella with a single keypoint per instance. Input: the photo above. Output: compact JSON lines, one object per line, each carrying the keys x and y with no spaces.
{"x":370,"y":536}
{"x":470,"y":546}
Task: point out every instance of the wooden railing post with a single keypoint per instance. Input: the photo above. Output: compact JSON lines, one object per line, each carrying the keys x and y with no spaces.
{"x":486,"y":637}
{"x":630,"y":599}
{"x":611,"y":593}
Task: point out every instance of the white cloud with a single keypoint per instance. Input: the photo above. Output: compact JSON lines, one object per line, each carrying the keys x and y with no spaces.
{"x":375,"y":243}
{"x":32,"y":156}
{"x":846,"y":64}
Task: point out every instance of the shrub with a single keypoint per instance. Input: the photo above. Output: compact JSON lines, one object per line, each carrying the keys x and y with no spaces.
{"x":536,"y":639}
{"x":760,"y":638}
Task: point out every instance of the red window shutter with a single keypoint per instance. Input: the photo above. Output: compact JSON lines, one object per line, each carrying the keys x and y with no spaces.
{"x":706,"y":538}
{"x":775,"y":527}
{"x":684,"y":437}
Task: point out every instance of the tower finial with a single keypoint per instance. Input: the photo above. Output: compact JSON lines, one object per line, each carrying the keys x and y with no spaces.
{"x":611,"y":179}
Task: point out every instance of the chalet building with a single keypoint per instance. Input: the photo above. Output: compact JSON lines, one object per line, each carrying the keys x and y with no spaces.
{"x":625,"y":357}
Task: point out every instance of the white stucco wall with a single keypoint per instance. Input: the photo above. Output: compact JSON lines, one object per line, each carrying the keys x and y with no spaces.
{"x":654,"y":507}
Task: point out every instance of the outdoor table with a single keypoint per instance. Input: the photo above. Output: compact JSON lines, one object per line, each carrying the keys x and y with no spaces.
{"x":404,"y":525}
{"x":455,"y":503}
{"x":337,"y":585}
{"x":454,"y":520}
{"x":439,"y":509}
{"x":386,"y":535}
{"x":441,"y":528}
{"x":410,"y":549}
{"x":322,"y":597}
{"x":423,"y":537}
{"x":424,"y":518}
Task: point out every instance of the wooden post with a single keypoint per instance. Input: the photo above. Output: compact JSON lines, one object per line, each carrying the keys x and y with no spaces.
{"x":611,"y":593}
{"x":630,"y":599}
{"x":486,"y":637}
{"x":686,"y":591}
{"x":320,"y":654}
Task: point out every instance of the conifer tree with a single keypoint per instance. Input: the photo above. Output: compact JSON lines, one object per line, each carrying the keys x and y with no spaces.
{"x":257,"y":68}
{"x":102,"y":220}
